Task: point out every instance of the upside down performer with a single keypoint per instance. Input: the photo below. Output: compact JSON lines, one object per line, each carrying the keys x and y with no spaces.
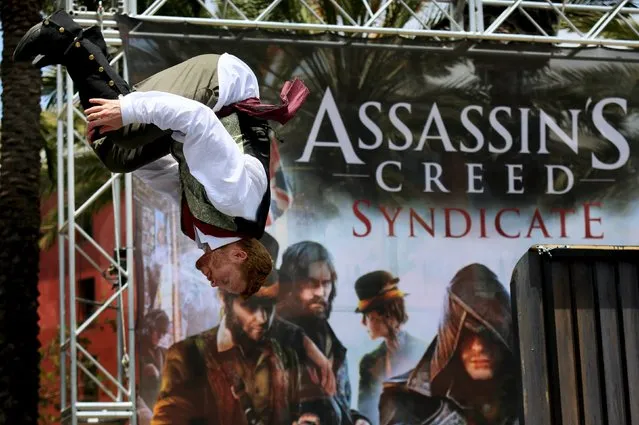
{"x":196,"y":131}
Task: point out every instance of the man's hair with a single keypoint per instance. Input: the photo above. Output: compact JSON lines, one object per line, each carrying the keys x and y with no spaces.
{"x":296,"y":262}
{"x":256,"y":267}
{"x":155,"y":320}
{"x":393,"y":309}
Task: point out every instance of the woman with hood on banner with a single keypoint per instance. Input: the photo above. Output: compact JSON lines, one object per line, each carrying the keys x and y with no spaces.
{"x":196,"y":131}
{"x":468,"y":375}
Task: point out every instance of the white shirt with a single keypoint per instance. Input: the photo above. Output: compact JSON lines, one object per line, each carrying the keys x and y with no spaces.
{"x":234,"y":182}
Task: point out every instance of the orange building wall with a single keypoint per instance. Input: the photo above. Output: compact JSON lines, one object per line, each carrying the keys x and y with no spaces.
{"x":101,"y":337}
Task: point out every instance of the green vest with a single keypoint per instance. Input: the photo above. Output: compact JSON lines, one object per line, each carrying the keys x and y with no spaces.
{"x":193,"y":191}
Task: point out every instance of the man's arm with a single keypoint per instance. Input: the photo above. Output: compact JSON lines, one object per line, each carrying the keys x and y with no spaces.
{"x":234,"y":182}
{"x":327,"y":378}
{"x":178,"y":401}
{"x":122,"y":160}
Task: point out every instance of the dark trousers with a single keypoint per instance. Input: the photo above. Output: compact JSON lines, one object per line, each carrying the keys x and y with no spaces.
{"x":136,"y":145}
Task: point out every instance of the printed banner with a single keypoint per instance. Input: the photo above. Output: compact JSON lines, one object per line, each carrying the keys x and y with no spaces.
{"x":404,"y":193}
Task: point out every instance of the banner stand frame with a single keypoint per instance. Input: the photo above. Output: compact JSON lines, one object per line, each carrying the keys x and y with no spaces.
{"x":123,"y":408}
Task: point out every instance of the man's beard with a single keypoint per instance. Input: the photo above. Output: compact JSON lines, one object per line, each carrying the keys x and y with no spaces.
{"x":299,"y":312}
{"x":319,"y":315}
{"x":313,"y":322}
{"x":241,"y":339}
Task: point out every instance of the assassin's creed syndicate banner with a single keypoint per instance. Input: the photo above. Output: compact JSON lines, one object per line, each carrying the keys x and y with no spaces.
{"x":404,"y":193}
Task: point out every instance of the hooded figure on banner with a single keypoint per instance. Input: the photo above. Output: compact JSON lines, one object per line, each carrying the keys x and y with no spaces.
{"x":468,"y":375}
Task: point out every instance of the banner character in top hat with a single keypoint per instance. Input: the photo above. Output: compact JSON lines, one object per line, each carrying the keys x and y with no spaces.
{"x":383,"y":310}
{"x":196,"y":131}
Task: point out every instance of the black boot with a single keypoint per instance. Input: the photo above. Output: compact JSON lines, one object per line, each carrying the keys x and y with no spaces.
{"x":94,"y":35}
{"x":60,"y":40}
{"x":46,"y":42}
{"x":91,"y":73}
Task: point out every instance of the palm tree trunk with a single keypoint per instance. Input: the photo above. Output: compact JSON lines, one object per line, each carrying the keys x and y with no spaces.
{"x":19,"y":221}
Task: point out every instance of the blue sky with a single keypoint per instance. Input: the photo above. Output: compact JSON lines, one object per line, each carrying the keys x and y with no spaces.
{"x":1,"y":44}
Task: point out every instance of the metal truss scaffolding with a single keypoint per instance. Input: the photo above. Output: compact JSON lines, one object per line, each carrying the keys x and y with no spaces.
{"x":583,"y":23}
{"x":76,"y":361}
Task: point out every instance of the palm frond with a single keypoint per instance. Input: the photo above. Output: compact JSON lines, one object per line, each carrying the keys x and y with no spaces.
{"x":49,"y":127}
{"x":191,"y":8}
{"x":592,"y":78}
{"x":50,"y":87}
{"x":48,"y":130}
{"x":618,"y":28}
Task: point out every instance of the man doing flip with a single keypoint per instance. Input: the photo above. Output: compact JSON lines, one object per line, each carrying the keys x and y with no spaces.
{"x":196,"y":131}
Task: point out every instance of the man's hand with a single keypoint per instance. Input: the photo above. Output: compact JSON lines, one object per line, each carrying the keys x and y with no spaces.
{"x":107,"y":116}
{"x":328,"y":378}
{"x":325,"y":378}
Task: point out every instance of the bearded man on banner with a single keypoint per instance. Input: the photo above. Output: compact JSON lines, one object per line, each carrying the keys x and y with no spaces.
{"x":197,"y":129}
{"x":308,"y":280}
{"x":238,"y":373}
{"x":468,"y":375}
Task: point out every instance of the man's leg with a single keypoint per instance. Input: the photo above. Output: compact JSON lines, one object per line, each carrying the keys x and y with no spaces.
{"x":62,"y":41}
{"x":138,"y":144}
{"x":195,"y":78}
{"x":129,"y":148}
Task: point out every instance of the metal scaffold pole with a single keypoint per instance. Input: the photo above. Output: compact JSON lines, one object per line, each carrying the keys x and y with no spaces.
{"x":77,"y":363}
{"x":73,"y":354}
{"x":434,"y":20}
{"x":61,"y":244}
